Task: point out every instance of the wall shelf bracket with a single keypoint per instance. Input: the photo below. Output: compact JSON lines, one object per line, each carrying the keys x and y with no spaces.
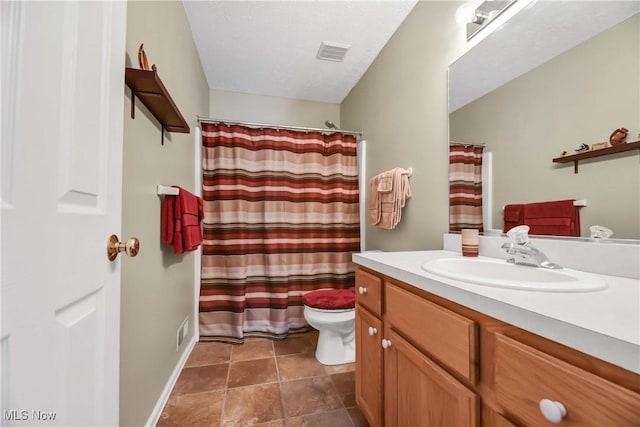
{"x":148,"y":88}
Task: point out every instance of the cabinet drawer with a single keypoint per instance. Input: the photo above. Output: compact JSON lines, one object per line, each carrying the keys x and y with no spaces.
{"x":446,"y":336}
{"x":369,"y":291}
{"x":524,"y":376}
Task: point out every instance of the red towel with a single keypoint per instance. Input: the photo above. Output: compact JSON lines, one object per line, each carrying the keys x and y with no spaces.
{"x":558,"y":218}
{"x":181,"y":216}
{"x":513,"y":216}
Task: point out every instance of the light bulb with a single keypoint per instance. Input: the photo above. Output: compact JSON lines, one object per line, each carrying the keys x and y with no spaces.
{"x":465,"y":13}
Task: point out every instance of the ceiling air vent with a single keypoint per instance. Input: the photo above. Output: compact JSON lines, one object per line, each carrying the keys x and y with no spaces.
{"x":330,"y":51}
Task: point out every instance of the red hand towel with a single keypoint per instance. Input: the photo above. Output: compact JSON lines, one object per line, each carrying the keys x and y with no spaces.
{"x":178,"y":244}
{"x":557,"y":218}
{"x":191,"y":214}
{"x":513,"y":216}
{"x":181,"y":216}
{"x":168,"y":219}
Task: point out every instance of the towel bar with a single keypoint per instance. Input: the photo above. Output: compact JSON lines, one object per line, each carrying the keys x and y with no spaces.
{"x":167,"y":191}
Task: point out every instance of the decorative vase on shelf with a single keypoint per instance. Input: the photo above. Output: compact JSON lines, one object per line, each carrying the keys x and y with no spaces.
{"x":142,"y":60}
{"x":618,"y":136}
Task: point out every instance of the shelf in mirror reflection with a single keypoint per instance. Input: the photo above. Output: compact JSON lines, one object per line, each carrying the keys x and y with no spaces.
{"x":619,"y":148}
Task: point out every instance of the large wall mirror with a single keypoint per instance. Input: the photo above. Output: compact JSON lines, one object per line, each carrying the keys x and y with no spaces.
{"x":555,"y":76}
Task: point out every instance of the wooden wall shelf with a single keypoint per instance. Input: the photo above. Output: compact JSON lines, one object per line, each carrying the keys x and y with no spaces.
{"x":619,"y":148}
{"x":147,"y":86}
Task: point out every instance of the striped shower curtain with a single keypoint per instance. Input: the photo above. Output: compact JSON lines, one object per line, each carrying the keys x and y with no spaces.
{"x":465,"y":187}
{"x":281,"y":219}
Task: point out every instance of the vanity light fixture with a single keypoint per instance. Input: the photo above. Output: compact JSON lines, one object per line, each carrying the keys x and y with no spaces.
{"x":478,"y":14}
{"x":468,"y":14}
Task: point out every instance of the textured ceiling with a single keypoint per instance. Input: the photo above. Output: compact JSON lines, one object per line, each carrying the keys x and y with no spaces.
{"x":270,"y":47}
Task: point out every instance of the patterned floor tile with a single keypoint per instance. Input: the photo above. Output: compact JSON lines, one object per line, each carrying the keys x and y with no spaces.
{"x":201,"y":409}
{"x":299,"y":366}
{"x":263,"y":383}
{"x":309,"y":396}
{"x":251,"y":372}
{"x":201,"y":378}
{"x":209,"y":353}
{"x":251,"y":350}
{"x":246,"y":406}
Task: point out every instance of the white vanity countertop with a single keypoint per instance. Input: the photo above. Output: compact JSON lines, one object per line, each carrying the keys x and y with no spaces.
{"x":604,"y":324}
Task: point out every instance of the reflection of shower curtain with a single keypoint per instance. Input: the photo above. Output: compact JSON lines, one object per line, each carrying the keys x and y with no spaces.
{"x":465,"y":187}
{"x":281,"y":219}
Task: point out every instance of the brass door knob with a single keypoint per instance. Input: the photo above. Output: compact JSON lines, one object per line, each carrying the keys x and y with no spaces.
{"x":114,"y":247}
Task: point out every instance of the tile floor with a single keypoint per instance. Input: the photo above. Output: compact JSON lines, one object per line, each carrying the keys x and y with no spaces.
{"x":262,"y":383}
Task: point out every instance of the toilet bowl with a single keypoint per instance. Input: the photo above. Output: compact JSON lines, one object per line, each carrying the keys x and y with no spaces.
{"x":332,"y":313}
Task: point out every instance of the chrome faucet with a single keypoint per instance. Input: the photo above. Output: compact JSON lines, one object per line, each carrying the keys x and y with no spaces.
{"x":524,"y":252}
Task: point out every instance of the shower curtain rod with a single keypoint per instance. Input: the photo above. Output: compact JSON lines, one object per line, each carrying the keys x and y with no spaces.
{"x":284,"y":127}
{"x":467,"y":143}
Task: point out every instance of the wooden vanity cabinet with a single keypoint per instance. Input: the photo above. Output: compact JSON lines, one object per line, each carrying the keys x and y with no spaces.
{"x":446,"y":336}
{"x":418,"y":392}
{"x":525,"y":375}
{"x":369,"y":330}
{"x":491,"y":418}
{"x":369,"y":366}
{"x":447,"y":365}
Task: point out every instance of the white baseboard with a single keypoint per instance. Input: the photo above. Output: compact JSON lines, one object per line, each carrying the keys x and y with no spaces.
{"x":164,"y":397}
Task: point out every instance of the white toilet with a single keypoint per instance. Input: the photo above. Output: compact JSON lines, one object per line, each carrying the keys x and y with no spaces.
{"x":332,"y":312}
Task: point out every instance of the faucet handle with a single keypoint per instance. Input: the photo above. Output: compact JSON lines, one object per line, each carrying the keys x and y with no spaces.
{"x":519,"y":234}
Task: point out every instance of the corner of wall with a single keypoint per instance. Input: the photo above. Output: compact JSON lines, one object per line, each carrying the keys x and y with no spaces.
{"x":157,"y":286}
{"x":401,"y":105}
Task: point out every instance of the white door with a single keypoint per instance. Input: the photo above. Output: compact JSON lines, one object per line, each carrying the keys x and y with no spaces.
{"x":62,"y":112}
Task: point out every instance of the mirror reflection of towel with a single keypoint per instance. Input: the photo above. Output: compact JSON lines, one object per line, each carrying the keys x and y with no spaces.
{"x":388,"y":194}
{"x":555,"y":218}
{"x":513,"y":216}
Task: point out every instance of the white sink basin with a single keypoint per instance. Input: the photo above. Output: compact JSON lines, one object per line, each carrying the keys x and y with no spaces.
{"x":500,"y":273}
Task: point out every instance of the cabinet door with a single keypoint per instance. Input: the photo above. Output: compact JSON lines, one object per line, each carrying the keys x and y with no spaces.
{"x":369,"y":366}
{"x":420,"y":393}
{"x":491,"y":418}
{"x":449,"y":338}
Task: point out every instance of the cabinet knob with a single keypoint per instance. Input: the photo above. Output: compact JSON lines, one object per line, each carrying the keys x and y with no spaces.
{"x":372,"y":331}
{"x":362,"y":290}
{"x":553,"y":411}
{"x":386,"y":344}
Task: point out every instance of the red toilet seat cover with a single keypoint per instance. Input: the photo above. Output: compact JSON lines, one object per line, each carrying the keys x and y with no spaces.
{"x":330,"y":299}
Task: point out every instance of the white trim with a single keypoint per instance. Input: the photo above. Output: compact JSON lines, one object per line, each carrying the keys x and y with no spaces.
{"x":197,"y":261}
{"x":487,"y":190}
{"x":164,"y":397}
{"x":362,"y":178}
